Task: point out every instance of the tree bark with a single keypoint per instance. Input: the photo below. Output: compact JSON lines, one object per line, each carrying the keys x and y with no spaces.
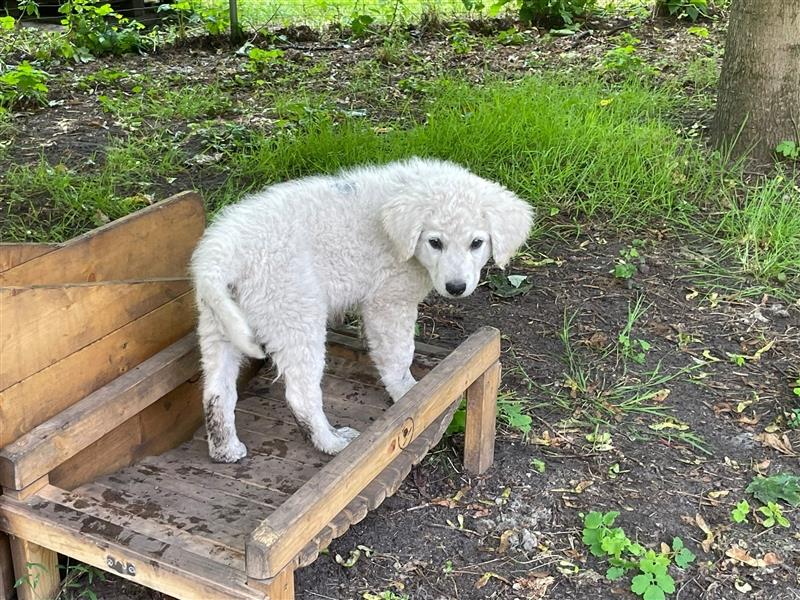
{"x":759,"y":89}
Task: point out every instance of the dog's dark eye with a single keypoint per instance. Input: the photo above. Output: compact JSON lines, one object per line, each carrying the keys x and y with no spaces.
{"x":476,"y":243}
{"x":435,"y":243}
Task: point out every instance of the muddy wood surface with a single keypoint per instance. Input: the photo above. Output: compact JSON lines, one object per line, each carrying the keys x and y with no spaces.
{"x":680,"y":457}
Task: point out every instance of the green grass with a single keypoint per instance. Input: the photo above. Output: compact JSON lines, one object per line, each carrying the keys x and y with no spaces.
{"x":576,"y":148}
{"x":255,"y":13}
{"x":163,"y":104}
{"x":52,"y":203}
{"x":762,"y":230}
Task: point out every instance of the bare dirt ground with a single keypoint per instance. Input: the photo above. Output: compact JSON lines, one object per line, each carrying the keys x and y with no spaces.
{"x":669,"y":432}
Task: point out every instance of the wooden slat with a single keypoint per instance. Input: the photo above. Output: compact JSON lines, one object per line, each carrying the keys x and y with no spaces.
{"x":481,"y":416}
{"x":6,"y":569}
{"x":280,"y":537}
{"x":154,"y":242}
{"x":36,"y":567}
{"x":63,"y":436}
{"x":161,"y":530}
{"x":158,"y":428}
{"x":12,"y":255}
{"x":161,"y":426}
{"x":42,"y":325}
{"x":44,"y":394}
{"x":217,"y":518}
{"x":162,"y":566}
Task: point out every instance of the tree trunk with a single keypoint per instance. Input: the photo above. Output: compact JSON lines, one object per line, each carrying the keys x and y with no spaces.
{"x":759,"y":89}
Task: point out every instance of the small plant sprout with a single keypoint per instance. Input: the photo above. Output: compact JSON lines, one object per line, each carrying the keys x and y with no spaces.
{"x":681,"y":554}
{"x":258,"y":59}
{"x":788,"y":149}
{"x":625,"y":267}
{"x":740,"y":512}
{"x":634,"y":349}
{"x":773,"y":513}
{"x":654,"y":582}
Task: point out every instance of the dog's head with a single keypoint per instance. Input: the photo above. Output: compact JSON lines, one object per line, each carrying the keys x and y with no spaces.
{"x":453,"y":227}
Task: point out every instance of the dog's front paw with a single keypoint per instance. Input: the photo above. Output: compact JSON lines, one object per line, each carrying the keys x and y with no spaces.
{"x":229,"y":453}
{"x":337,"y":440}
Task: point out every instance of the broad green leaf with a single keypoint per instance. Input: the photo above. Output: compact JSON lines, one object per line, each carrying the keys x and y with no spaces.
{"x":640,"y":583}
{"x":614,"y":573}
{"x":781,"y":486}
{"x":593,"y":520}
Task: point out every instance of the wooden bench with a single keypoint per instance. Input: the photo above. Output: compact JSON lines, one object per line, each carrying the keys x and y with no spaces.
{"x":103,"y":458}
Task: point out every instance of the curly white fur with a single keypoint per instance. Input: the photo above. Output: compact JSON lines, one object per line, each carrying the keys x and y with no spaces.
{"x":272,"y":270}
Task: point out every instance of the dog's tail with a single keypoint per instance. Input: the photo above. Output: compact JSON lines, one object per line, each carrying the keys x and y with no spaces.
{"x":215,"y":295}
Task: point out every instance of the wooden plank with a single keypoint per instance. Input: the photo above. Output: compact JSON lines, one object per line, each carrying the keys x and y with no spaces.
{"x":279,"y":588}
{"x":155,"y":242}
{"x":161,"y":530}
{"x":44,"y":394}
{"x":280,"y":537}
{"x":41,"y":325}
{"x":12,"y":255}
{"x":480,"y":425}
{"x":165,"y":567}
{"x":111,"y":452}
{"x":39,"y":451}
{"x":161,"y":426}
{"x":256,"y":469}
{"x":172,"y":471}
{"x":216,"y":518}
{"x":6,"y":569}
{"x":37,"y":568}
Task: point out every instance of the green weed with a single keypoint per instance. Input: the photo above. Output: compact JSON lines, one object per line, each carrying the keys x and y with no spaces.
{"x":258,"y":59}
{"x":629,"y":258}
{"x":623,"y":58}
{"x":781,"y":486}
{"x":774,"y":515}
{"x":632,"y":348}
{"x":762,"y":231}
{"x":653,"y":580}
{"x":23,"y":83}
{"x":740,"y":512}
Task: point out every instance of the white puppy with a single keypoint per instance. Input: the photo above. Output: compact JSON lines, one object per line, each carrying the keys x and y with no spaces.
{"x":272,"y":270}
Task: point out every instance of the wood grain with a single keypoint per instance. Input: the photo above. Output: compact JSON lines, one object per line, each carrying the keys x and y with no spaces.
{"x":44,"y":394}
{"x":481,"y":421}
{"x":154,"y":242}
{"x":39,"y":451}
{"x":12,"y":255}
{"x":282,"y":535}
{"x":161,"y":426}
{"x":37,"y":566}
{"x":157,"y":564}
{"x":40,"y":325}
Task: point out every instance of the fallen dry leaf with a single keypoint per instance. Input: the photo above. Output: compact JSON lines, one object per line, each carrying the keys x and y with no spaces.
{"x":484,"y":579}
{"x":534,"y":584}
{"x":504,"y":543}
{"x":777,"y":442}
{"x":660,"y":395}
{"x":701,"y":523}
{"x":740,"y":555}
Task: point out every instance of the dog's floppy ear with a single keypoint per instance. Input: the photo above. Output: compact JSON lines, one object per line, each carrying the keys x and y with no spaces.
{"x":402,"y":220}
{"x":509,"y":219}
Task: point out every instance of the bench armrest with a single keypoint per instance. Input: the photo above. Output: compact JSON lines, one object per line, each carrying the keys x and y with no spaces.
{"x":282,"y":535}
{"x":61,"y":437}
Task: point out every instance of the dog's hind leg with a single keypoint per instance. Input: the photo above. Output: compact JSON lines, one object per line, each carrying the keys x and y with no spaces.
{"x":302,"y":363}
{"x":220,"y":370}
{"x":389,"y":326}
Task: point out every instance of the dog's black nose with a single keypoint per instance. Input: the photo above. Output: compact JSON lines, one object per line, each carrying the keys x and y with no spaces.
{"x":456,"y":288}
